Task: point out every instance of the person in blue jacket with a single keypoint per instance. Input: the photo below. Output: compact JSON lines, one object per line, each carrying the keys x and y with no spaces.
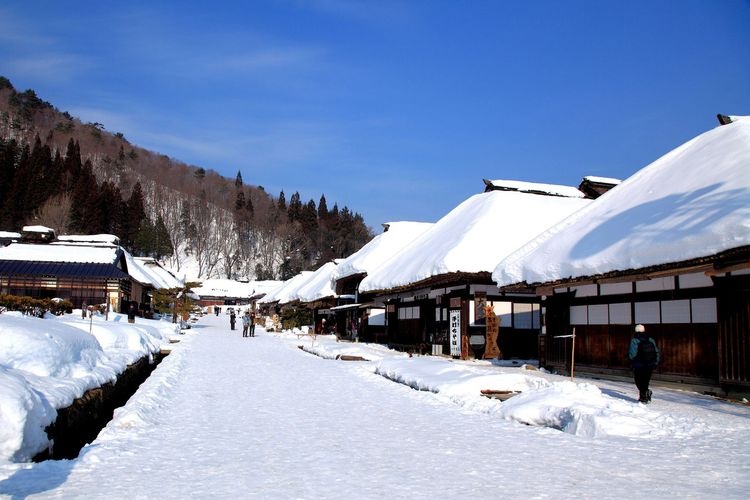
{"x":644,"y":356}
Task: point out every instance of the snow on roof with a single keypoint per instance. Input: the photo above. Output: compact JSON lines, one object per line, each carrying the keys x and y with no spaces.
{"x":602,"y":180}
{"x":58,"y":252}
{"x":110,"y":239}
{"x":148,"y":271}
{"x":535,"y":187}
{"x":263,"y":288}
{"x":225,"y":288}
{"x":287,"y":292}
{"x":473,"y":237}
{"x":318,"y":286}
{"x":739,"y":118}
{"x":379,"y":249}
{"x":692,"y":202}
{"x":270,"y":296}
{"x":37,"y":229}
{"x":168,"y":279}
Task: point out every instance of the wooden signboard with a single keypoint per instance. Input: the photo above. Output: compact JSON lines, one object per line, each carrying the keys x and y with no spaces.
{"x":492,"y":351}
{"x":455,"y":332}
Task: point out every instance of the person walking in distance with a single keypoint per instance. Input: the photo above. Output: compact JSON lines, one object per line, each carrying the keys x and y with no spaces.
{"x":252,"y":324}
{"x":644,"y":356}
{"x":131,"y":313}
{"x":246,"y":324}
{"x":232,"y":319}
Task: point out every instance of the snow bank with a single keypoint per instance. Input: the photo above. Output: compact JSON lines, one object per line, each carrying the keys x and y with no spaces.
{"x":542,"y":399}
{"x":45,"y":364}
{"x":24,"y":413}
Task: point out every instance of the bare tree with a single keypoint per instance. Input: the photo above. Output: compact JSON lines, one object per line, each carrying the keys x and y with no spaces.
{"x":54,"y":213}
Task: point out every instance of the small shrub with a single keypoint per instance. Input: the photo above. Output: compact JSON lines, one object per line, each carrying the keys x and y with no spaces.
{"x":295,"y":317}
{"x":35,"y":307}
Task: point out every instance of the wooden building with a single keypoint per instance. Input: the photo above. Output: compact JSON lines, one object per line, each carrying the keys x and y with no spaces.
{"x":84,"y":269}
{"x":668,"y":248}
{"x":285,"y":295}
{"x":40,"y":266}
{"x":437,"y":289}
{"x":147,"y":276}
{"x":226,"y":292}
{"x":365,"y":312}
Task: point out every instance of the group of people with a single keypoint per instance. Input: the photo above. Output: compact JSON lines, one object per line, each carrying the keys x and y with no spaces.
{"x":248,"y":322}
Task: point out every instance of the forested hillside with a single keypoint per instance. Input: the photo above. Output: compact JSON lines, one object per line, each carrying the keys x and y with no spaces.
{"x":79,"y":178}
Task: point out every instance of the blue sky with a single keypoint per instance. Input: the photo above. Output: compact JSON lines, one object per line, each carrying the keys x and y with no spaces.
{"x":395,"y":109}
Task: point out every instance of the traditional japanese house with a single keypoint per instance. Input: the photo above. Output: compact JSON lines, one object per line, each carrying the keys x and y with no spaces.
{"x":225,"y":292}
{"x":91,"y":271}
{"x":147,"y":276}
{"x":668,"y":248}
{"x":366,"y":315}
{"x":437,"y":290}
{"x":272,"y":303}
{"x":317,"y":295}
{"x":263,"y":288}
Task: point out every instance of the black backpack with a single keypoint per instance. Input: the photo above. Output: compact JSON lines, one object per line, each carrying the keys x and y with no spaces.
{"x":646,"y":352}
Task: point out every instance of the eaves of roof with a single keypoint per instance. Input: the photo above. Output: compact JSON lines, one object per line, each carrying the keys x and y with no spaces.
{"x":61,"y":269}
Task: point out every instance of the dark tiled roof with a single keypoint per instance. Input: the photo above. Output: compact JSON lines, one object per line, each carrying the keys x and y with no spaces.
{"x":61,"y":269}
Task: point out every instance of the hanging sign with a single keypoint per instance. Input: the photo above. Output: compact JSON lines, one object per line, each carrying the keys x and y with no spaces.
{"x":455,"y":332}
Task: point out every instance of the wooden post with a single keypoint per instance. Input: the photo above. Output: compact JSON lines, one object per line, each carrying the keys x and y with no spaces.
{"x":573,"y":355}
{"x":491,"y":350}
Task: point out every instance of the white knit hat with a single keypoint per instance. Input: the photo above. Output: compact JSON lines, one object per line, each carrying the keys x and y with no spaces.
{"x":640,"y":328}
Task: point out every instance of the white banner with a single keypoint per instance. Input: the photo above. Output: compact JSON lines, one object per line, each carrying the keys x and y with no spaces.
{"x":455,"y":332}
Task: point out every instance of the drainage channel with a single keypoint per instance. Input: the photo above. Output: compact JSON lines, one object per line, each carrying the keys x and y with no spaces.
{"x":78,"y":424}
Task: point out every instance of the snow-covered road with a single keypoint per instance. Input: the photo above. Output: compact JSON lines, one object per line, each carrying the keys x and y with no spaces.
{"x":226,"y":416}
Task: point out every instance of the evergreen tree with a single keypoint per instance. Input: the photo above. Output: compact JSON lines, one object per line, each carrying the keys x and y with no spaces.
{"x":14,"y":205}
{"x":85,"y":200}
{"x":163,"y":244}
{"x":108,"y":216}
{"x":238,"y":180}
{"x":309,"y":220}
{"x":261,"y":273}
{"x":176,"y":301}
{"x":281,"y":204}
{"x":322,"y":208}
{"x":288,"y":270}
{"x":295,"y":208}
{"x":186,"y":223}
{"x":239,"y":202}
{"x":8,"y":154}
{"x":144,"y":239}
{"x":134,"y":212}
{"x":57,"y":175}
{"x":37,"y":189}
{"x":72,"y":165}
